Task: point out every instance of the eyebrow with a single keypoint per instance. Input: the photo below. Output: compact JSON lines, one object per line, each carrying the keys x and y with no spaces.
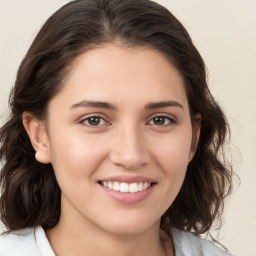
{"x":106,"y":105}
{"x":93,"y":104}
{"x":164,"y":104}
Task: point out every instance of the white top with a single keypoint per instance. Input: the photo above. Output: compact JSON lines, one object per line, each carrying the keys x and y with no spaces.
{"x":33,"y":242}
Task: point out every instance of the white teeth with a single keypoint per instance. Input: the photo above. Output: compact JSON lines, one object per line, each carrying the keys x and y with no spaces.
{"x":125,"y":187}
{"x":133,"y":188}
{"x":140,"y":187}
{"x":116,"y":186}
{"x":110,"y":185}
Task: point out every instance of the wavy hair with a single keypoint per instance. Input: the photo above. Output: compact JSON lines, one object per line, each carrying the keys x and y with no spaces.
{"x":30,"y":193}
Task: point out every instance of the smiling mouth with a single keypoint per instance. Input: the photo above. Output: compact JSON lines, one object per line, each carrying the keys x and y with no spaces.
{"x":126,"y":187}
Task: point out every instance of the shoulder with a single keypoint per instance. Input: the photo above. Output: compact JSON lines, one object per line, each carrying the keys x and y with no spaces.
{"x":186,"y":243}
{"x":19,"y":243}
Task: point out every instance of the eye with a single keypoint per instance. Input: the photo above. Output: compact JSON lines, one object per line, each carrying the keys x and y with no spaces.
{"x":161,"y":121}
{"x":94,"y":121}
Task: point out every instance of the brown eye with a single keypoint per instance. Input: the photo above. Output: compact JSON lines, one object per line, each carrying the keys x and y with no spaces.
{"x":161,"y":120}
{"x":94,"y":121}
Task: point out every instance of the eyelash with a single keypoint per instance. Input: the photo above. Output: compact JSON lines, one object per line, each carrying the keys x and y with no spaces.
{"x":95,"y":117}
{"x":171,"y":121}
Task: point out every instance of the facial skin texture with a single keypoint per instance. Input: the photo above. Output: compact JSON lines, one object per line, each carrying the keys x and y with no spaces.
{"x":127,"y":141}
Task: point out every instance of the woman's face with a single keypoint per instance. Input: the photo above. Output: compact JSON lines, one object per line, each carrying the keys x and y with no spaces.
{"x":121,"y":122}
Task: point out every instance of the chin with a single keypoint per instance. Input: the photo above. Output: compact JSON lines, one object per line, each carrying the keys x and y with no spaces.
{"x":128,"y":227}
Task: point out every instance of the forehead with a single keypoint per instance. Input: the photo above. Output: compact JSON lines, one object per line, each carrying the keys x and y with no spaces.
{"x":115,"y":72}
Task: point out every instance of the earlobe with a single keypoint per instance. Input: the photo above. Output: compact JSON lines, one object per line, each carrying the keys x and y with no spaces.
{"x":38,"y":136}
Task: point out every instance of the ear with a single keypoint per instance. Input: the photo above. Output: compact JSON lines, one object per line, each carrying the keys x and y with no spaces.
{"x":196,"y":127}
{"x":36,"y":131}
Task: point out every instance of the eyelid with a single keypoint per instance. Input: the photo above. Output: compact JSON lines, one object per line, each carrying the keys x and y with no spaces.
{"x":173,"y":119}
{"x":97,"y":115}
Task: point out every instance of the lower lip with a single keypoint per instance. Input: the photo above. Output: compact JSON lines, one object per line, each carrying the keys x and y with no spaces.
{"x":128,"y":198}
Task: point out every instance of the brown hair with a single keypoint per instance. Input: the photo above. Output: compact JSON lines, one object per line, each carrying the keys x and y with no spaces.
{"x":30,"y":193}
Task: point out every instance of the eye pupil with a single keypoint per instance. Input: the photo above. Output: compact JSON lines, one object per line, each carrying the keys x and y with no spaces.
{"x":159,"y":120}
{"x":94,"y":120}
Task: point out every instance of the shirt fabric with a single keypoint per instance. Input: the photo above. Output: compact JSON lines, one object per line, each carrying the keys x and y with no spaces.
{"x":33,"y":242}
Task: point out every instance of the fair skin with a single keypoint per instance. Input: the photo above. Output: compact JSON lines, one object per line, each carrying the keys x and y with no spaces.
{"x":122,"y":116}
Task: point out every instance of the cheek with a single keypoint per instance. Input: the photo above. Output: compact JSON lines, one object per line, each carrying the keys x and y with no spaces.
{"x":172,"y":156}
{"x":76,"y":156}
{"x":75,"y":161}
{"x":173,"y":152}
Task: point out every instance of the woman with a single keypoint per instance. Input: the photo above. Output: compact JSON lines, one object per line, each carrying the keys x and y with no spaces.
{"x":113,"y":142}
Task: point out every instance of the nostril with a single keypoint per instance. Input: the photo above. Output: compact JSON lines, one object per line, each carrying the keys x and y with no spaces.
{"x":128,"y":162}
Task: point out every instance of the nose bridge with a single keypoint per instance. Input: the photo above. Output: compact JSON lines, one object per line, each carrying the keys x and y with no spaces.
{"x":128,"y":148}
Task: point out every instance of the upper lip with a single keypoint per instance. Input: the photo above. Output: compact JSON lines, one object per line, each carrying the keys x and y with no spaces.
{"x":129,"y":179}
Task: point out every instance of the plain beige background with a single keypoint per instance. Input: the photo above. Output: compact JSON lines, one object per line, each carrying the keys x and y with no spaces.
{"x":225,"y":34}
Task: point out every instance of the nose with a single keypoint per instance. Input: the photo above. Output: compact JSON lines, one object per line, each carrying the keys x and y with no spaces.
{"x":129,"y":149}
